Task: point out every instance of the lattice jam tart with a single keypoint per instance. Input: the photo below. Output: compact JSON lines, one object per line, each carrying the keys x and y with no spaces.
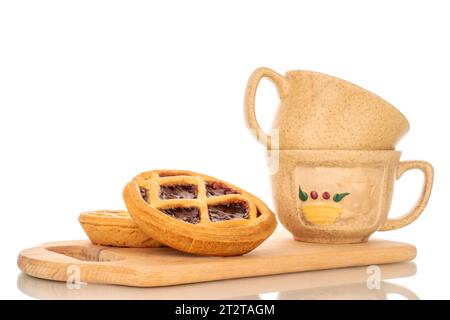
{"x":114,"y":228}
{"x":195,"y":213}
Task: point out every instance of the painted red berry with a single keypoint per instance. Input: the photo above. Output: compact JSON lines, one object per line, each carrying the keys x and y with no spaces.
{"x":326,"y":195}
{"x":314,"y":195}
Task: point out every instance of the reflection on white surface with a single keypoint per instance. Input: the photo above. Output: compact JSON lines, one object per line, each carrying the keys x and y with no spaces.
{"x":269,"y":296}
{"x":348,"y":283}
{"x":356,"y":291}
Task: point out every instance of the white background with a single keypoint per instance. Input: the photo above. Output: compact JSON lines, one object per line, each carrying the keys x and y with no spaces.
{"x":93,"y":92}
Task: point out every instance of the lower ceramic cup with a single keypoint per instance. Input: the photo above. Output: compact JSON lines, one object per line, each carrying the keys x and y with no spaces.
{"x":341,"y":196}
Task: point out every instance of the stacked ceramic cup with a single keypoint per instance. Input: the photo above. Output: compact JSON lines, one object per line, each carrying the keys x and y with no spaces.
{"x":332,"y":145}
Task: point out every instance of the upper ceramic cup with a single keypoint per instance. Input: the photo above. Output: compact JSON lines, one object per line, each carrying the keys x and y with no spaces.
{"x":318,"y":111}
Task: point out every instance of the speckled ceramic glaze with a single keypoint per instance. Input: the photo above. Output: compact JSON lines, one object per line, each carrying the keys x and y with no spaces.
{"x":318,"y":111}
{"x":341,"y":196}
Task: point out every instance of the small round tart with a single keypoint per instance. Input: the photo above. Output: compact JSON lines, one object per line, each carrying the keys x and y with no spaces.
{"x":199,"y":214}
{"x":114,"y":228}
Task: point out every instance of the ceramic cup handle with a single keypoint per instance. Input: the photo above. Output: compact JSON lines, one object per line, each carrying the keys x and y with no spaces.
{"x":250,"y":95}
{"x":414,"y":213}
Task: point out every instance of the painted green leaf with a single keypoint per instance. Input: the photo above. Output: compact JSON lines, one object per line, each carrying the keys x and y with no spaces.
{"x":302,"y":194}
{"x":339,"y":196}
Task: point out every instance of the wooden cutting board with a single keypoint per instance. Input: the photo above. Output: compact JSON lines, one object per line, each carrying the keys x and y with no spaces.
{"x":164,"y":266}
{"x":337,"y":284}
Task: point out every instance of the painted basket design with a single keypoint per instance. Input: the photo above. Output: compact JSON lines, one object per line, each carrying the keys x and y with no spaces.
{"x":323,"y":211}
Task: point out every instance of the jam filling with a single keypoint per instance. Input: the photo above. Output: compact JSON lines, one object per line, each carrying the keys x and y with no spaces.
{"x":172,"y":174}
{"x":190,"y":215}
{"x":168,"y":174}
{"x":214,"y":189}
{"x":143,"y":192}
{"x":178,"y":192}
{"x":229,"y":211}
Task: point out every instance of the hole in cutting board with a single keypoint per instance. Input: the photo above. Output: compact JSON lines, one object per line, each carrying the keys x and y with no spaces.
{"x":85,"y":253}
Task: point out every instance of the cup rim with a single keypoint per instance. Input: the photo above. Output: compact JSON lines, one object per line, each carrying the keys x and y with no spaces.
{"x":314,"y":157}
{"x":342,"y":151}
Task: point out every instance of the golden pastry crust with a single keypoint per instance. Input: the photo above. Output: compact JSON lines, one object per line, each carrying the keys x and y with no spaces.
{"x":114,"y":228}
{"x":206,"y":235}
